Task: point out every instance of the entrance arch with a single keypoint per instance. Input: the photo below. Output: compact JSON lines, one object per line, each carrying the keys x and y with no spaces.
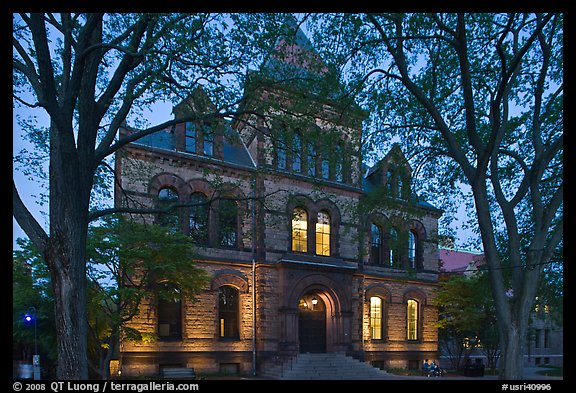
{"x":328,"y":330}
{"x":312,"y":323}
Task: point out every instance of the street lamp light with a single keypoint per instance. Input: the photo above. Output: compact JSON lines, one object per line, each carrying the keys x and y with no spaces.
{"x":31,"y":316}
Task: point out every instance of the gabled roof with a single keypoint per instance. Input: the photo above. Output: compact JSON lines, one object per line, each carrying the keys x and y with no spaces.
{"x":394,"y":157}
{"x":373,"y":176}
{"x":295,"y":64}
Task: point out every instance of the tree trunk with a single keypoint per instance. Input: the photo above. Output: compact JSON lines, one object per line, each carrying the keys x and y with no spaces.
{"x":69,"y":284}
{"x":513,"y":352}
{"x":70,"y":186}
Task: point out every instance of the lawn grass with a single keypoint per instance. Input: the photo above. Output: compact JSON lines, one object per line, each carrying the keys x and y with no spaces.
{"x":551,"y":371}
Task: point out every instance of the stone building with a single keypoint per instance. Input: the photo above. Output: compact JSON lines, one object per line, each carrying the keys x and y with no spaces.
{"x":308,"y":250}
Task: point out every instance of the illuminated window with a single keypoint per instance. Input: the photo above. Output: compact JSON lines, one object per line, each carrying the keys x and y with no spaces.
{"x":412,"y":315}
{"x":412,"y":249}
{"x":323,"y":234}
{"x":170,"y":220}
{"x":169,"y":312}
{"x":198,"y":218}
{"x":376,"y":318}
{"x":300,"y":230}
{"x":376,"y":244}
{"x":228,"y":310}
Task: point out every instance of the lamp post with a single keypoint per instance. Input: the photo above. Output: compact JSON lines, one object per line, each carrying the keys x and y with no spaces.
{"x":31,"y":316}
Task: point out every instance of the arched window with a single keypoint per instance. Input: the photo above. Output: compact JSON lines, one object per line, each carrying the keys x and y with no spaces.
{"x":228,"y":211}
{"x":199,"y":218}
{"x":412,"y":319}
{"x":166,"y":197}
{"x":169,"y":312}
{"x":323,"y":234}
{"x":394,"y":249}
{"x":228,"y":312}
{"x":400,"y":185}
{"x":300,"y":230}
{"x":412,"y":249}
{"x":376,"y":318}
{"x":376,"y":249}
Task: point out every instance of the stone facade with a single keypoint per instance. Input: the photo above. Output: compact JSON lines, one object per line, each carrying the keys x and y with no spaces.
{"x":334,"y":286}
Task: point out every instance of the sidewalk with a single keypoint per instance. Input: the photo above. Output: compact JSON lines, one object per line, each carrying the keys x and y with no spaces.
{"x":530,"y":374}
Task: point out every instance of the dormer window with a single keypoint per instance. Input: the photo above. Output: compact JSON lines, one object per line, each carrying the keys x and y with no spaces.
{"x":190,"y":137}
{"x":389,"y":177}
{"x":199,"y":139}
{"x":208,"y":135}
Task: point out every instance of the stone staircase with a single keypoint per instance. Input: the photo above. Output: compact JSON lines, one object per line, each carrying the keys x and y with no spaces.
{"x":325,"y":366}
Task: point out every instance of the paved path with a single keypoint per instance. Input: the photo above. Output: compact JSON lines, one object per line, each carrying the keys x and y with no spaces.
{"x":530,"y":374}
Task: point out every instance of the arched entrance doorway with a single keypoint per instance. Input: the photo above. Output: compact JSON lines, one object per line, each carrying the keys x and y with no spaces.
{"x":312,"y":323}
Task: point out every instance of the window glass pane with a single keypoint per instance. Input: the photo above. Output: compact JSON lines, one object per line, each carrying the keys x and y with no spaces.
{"x":199,"y":218}
{"x":376,"y":245}
{"x":281,"y":163}
{"x":411,"y":249}
{"x":208,"y":140}
{"x":339,"y":158}
{"x":300,"y":230}
{"x":412,"y":313}
{"x":169,"y":312}
{"x":325,"y":169}
{"x":228,"y":223}
{"x":376,"y":317}
{"x":311,"y":160}
{"x":170,"y":220}
{"x":296,"y":154}
{"x":190,"y":137}
{"x":228,"y":310}
{"x":394,"y":257}
{"x":323,"y":234}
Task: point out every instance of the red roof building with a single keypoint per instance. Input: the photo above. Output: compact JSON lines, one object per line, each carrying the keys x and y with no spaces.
{"x":459,"y":261}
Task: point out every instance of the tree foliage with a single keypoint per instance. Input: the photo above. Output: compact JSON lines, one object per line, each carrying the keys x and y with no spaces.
{"x":89,"y":74}
{"x":474,"y":99}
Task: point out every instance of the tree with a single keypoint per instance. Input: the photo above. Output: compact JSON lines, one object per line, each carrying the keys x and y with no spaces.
{"x":31,"y":293}
{"x":477,"y":99}
{"x":116,"y":250}
{"x":90,"y":73}
{"x":466,"y":318}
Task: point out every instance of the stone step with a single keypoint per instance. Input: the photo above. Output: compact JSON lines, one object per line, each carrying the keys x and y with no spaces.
{"x":329,"y":366}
